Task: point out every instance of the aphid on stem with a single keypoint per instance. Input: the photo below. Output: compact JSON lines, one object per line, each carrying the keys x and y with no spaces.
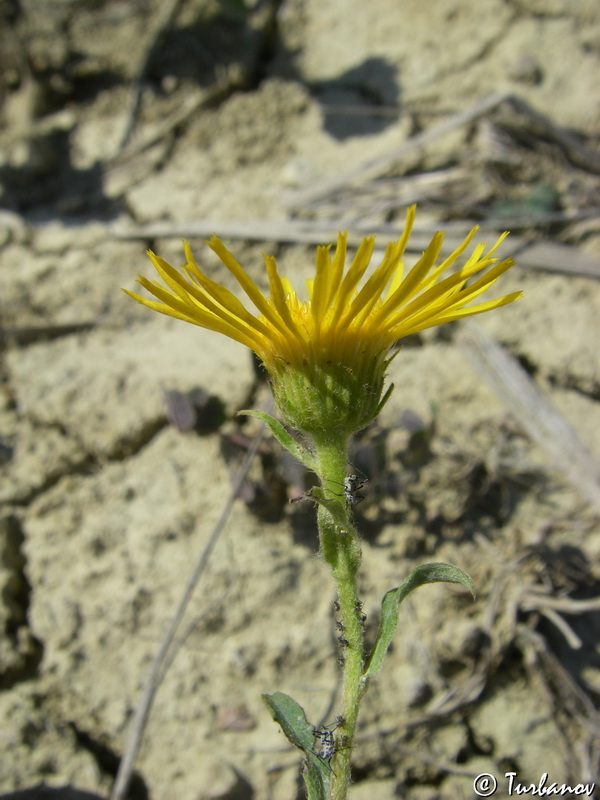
{"x":352,"y":485}
{"x":327,"y":747}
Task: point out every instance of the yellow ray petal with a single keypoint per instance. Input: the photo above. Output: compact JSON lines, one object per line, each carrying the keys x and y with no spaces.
{"x":337,"y":265}
{"x":445,"y":293}
{"x":370,"y":293}
{"x":407,"y":327}
{"x":205,"y":309}
{"x":320,"y":286}
{"x":357,"y":269}
{"x":398,"y":275}
{"x":218,"y":300}
{"x":279,"y":290}
{"x":416,"y":313}
{"x":247,"y":284}
{"x":347,"y":323}
{"x":434,"y":276}
{"x":172,"y":308}
{"x":414,"y":278}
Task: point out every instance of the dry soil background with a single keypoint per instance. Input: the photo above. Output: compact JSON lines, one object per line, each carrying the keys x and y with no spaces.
{"x":107,"y":505}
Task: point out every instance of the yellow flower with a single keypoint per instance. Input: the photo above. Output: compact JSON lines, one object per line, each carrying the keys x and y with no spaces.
{"x":345,"y":328}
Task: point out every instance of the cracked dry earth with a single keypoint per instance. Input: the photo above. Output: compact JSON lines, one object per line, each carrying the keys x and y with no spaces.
{"x":107,"y":502}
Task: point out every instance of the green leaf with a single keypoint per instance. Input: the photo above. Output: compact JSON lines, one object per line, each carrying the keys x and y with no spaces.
{"x":317,"y":783}
{"x":283,"y":437}
{"x":427,"y":573}
{"x":292,"y":719}
{"x":290,"y":715}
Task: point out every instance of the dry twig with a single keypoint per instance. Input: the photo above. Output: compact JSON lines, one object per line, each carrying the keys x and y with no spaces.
{"x":165,"y":16}
{"x":377,"y":166}
{"x":540,"y":255}
{"x":542,"y":422}
{"x":164,"y":655}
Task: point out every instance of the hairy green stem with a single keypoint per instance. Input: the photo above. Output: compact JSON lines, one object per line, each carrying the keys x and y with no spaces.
{"x":340,"y":546}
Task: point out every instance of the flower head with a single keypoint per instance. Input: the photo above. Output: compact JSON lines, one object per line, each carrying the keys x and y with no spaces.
{"x":338,"y":340}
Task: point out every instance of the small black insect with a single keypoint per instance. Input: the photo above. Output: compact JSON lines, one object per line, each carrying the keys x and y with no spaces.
{"x":351,"y":489}
{"x":352,"y":486}
{"x":327,"y":745}
{"x":351,"y":493}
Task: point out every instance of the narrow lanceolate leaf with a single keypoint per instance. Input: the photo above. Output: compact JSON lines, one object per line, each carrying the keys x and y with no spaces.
{"x":427,"y":573}
{"x":291,"y":717}
{"x":316,"y":779}
{"x":300,"y":452}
